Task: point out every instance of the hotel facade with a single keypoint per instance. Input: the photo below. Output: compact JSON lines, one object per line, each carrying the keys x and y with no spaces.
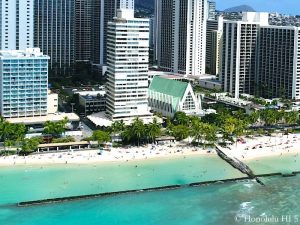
{"x":83,"y":26}
{"x":260,"y":59}
{"x":278,"y":62}
{"x":214,"y":34}
{"x":54,"y":32}
{"x":16,"y":24}
{"x":239,"y":56}
{"x":104,"y":11}
{"x":23,"y":83}
{"x":181,"y":35}
{"x":127,"y":61}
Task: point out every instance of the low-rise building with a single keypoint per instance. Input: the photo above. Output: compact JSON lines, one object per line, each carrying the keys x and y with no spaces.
{"x":52,"y":102}
{"x":210,"y":82}
{"x":167,"y":96}
{"x":92,"y":101}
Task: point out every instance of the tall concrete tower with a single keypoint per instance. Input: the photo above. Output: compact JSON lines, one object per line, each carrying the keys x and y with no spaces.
{"x":181,"y":35}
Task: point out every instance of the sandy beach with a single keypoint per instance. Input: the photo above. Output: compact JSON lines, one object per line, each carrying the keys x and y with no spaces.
{"x":266,"y":146}
{"x":247,"y":149}
{"x":116,"y":154}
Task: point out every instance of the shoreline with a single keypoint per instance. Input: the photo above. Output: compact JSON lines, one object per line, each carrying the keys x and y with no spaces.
{"x":92,"y":157}
{"x":251,"y":149}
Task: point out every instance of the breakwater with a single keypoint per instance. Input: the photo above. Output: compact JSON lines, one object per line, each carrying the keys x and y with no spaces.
{"x":163,"y":188}
{"x":236,"y":163}
{"x":107,"y":194}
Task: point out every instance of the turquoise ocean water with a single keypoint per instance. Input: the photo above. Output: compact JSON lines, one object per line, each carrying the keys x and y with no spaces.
{"x":212,"y":204}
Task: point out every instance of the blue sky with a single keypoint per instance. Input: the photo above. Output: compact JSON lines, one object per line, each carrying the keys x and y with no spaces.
{"x":282,"y":6}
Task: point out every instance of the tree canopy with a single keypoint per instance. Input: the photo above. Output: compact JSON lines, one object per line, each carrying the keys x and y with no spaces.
{"x":56,"y":129}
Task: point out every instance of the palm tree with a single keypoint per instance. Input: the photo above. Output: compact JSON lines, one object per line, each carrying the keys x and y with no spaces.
{"x":30,"y":145}
{"x":101,"y":136}
{"x":49,"y":128}
{"x":210,"y":133}
{"x":180,"y":118}
{"x":8,"y":143}
{"x":254,"y":117}
{"x":197,"y":131}
{"x":117,"y":126}
{"x":240,"y":114}
{"x":6,"y":130}
{"x":269,"y":116}
{"x":169,"y":126}
{"x":126,"y":134}
{"x":233,"y":128}
{"x":19,"y":133}
{"x":180,"y":132}
{"x":55,"y":128}
{"x":153,"y":130}
{"x":291,"y":117}
{"x":138,"y":129}
{"x":194,"y":119}
{"x":228,"y":127}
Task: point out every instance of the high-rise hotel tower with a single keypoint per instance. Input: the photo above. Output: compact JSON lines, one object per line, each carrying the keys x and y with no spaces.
{"x":16,"y":24}
{"x":127,"y":61}
{"x":278,"y":62}
{"x":55,"y":32}
{"x":102,"y":12}
{"x":181,"y":35}
{"x":240,"y":40}
{"x":83,"y":27}
{"x":23,"y":83}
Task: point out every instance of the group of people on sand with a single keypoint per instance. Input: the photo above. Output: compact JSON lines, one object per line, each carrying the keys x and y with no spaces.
{"x":89,"y":156}
{"x":264,"y":146}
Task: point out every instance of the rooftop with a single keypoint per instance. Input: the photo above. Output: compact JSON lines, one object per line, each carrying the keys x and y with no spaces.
{"x":168,"y":86}
{"x":101,"y":119}
{"x":93,"y":97}
{"x":63,"y":144}
{"x":42,"y":119}
{"x":90,"y":94}
{"x":28,"y":53}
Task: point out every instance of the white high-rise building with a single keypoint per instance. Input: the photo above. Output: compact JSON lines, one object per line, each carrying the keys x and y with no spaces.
{"x":240,"y":40}
{"x":181,"y":35}
{"x":16,"y":24}
{"x":127,"y":61}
